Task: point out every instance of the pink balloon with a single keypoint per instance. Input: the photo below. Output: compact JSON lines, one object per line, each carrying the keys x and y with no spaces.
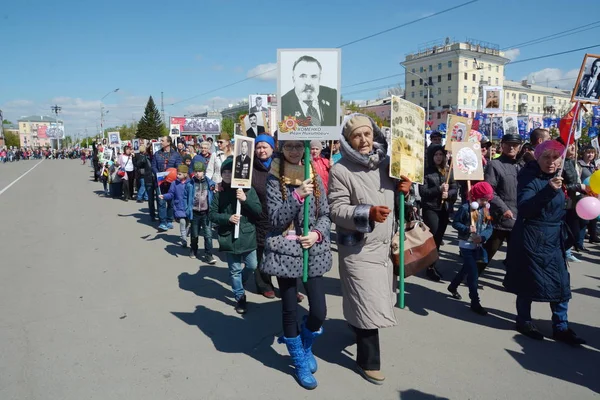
{"x":588,"y":208}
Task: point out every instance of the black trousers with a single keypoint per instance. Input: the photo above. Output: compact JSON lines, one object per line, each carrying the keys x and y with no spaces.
{"x":492,"y":245}
{"x":130,"y":184}
{"x":317,"y":310}
{"x":368,"y":354}
{"x":437,"y":222}
{"x":151,"y":190}
{"x":262,"y":280}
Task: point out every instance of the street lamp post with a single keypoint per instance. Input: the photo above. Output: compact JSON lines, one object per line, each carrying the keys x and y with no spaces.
{"x":102,"y":110}
{"x":56,"y":109}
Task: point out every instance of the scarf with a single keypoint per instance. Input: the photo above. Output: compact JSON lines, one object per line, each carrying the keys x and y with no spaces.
{"x":267,"y":163}
{"x":294,"y":174}
{"x":372,"y":160}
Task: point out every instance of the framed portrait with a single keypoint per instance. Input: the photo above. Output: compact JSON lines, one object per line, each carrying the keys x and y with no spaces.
{"x":308,"y":93}
{"x":407,"y":140}
{"x":254,"y":124}
{"x":497,"y":129}
{"x":467,"y":161}
{"x":458,"y":129}
{"x":587,"y":87}
{"x":492,"y":99}
{"x":243,"y":157}
{"x":237,"y":129}
{"x":258,"y":103}
{"x":156,"y":146}
{"x":136,"y":145}
{"x":104,"y":142}
{"x":114,"y":138}
{"x":510,"y":125}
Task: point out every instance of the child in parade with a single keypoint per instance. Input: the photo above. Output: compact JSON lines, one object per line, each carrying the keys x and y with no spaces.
{"x":104,"y":177}
{"x":202,"y":197}
{"x":474,"y":226}
{"x":180,"y":192}
{"x":240,"y":250}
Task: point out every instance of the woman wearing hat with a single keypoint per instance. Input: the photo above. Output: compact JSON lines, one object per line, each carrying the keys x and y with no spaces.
{"x":361,"y":197}
{"x":536,"y":268}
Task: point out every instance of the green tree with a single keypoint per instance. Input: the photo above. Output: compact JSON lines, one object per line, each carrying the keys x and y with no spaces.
{"x":151,"y":125}
{"x":11,"y":139}
{"x":227,"y":125}
{"x":6,"y":122}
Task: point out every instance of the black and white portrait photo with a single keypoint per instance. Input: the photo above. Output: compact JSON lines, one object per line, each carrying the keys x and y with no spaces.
{"x":243,"y":151}
{"x":136,"y":145}
{"x":510,"y":126}
{"x":309,"y":88}
{"x":114,"y":138}
{"x":201,"y":125}
{"x":175,"y":129}
{"x":254,"y":124}
{"x":258,"y":103}
{"x":587,"y":88}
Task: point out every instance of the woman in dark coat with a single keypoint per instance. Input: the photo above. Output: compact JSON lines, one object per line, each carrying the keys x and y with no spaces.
{"x":536,"y":268}
{"x":436,"y":198}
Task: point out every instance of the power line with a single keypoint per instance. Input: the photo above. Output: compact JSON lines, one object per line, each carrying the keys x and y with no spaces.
{"x":531,"y":42}
{"x":339,"y":47}
{"x":554,"y":54}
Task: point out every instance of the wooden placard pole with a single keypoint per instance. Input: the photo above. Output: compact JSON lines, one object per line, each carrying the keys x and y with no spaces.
{"x":306,"y":209}
{"x":238,"y":211}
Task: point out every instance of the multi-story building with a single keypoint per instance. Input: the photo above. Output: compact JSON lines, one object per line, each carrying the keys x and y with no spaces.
{"x":534,"y":101}
{"x":382,"y":108}
{"x":32,"y":130}
{"x":7,"y":128}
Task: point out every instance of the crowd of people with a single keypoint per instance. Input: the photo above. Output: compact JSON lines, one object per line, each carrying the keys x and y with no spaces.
{"x":524,"y":201}
{"x":13,"y":154}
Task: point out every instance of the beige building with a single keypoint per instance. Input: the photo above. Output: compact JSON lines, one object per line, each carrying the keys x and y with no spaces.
{"x":455,"y":73}
{"x":32,"y":130}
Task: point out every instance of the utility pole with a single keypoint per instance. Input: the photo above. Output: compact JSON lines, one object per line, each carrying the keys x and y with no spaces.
{"x":56,"y":109}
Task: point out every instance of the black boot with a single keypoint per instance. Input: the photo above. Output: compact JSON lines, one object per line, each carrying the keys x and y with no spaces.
{"x":569,"y":337}
{"x":433,"y":274}
{"x":530,"y":330}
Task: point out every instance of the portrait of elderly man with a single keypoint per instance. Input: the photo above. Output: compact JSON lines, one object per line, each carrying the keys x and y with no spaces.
{"x":243,"y":161}
{"x":309,"y":98}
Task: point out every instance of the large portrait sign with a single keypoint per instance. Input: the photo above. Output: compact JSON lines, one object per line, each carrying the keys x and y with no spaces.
{"x":258,"y":103}
{"x":194,"y":125}
{"x":243,"y":155}
{"x":510,"y":125}
{"x":587,"y":87}
{"x":407,"y":140}
{"x":467,"y":161}
{"x":255,"y":124}
{"x":492,"y":99}
{"x":114,"y":138}
{"x":308,"y":93}
{"x":458,"y":129}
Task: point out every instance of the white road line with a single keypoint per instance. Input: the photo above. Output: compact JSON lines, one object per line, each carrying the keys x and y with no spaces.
{"x":19,"y":178}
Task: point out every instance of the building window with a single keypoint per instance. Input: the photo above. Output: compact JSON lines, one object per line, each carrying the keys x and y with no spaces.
{"x":430,"y":67}
{"x":474,"y":78}
{"x":421,"y":70}
{"x":439,"y":90}
{"x":539,"y":99}
{"x":538,"y":110}
{"x":489,"y":67}
{"x":430,"y":81}
{"x":490,"y":80}
{"x":515,"y":96}
{"x":413,"y":70}
{"x":412,"y":83}
{"x":472,"y":102}
{"x":439,"y":65}
{"x":439,"y":115}
{"x":464,"y":102}
{"x":449,"y":77}
{"x":465,"y":89}
{"x":449,"y":64}
{"x":466,"y":63}
{"x":466,"y":76}
{"x":497,"y":68}
{"x":474,"y":65}
{"x":439,"y":103}
{"x":496,"y":81}
{"x":439,"y":78}
{"x":449,"y":89}
{"x":412,"y":95}
{"x":420,"y":93}
{"x":421,"y":104}
{"x":420,"y":81}
{"x":473,"y":90}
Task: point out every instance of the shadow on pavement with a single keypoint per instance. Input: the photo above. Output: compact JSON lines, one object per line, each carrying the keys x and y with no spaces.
{"x":558,"y":360}
{"x":413,"y":394}
{"x":142,"y":218}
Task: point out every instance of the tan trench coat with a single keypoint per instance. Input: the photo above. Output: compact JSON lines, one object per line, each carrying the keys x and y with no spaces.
{"x":366,"y":272}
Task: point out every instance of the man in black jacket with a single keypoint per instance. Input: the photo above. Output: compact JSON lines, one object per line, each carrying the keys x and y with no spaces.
{"x":501,"y":173}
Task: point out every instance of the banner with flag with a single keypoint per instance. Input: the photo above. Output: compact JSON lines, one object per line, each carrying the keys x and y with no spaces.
{"x":566,"y":125}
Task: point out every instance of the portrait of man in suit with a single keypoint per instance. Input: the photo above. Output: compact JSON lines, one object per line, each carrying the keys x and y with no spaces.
{"x":242,"y":162}
{"x":589,"y":86}
{"x":258,"y":107}
{"x":254,"y":129}
{"x":310,"y":99}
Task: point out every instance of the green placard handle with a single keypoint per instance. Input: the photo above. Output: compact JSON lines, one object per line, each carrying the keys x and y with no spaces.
{"x":306,"y":209}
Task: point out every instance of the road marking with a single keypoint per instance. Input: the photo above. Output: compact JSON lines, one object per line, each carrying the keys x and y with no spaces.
{"x":19,"y":178}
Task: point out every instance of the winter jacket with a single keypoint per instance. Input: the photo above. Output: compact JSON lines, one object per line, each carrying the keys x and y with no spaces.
{"x":431,"y":194}
{"x":260,"y":174}
{"x":143,"y":166}
{"x":462,"y":224}
{"x":535,"y":264}
{"x":284,"y":257}
{"x":182,"y":195}
{"x":223,"y":207}
{"x":161,"y":161}
{"x":572,"y":182}
{"x":211,"y":192}
{"x":321,"y":165}
{"x":501,"y":174}
{"x":586,"y":169}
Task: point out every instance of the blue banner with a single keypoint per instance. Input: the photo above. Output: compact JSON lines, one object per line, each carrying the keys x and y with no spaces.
{"x":593,"y":132}
{"x":442,"y":127}
{"x":522,"y":122}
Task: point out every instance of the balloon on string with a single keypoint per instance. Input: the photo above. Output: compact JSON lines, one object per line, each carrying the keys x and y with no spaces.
{"x":595,"y":182}
{"x":588,"y":208}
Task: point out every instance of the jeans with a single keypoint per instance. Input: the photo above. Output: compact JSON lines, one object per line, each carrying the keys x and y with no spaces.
{"x":238,"y":274}
{"x":201,"y":227}
{"x":184,"y":226}
{"x":317,"y":308}
{"x":493,"y":244}
{"x":559,"y":313}
{"x":150,"y":190}
{"x":142,"y":191}
{"x":165,"y":210}
{"x":105,"y":185}
{"x":368,"y":353}
{"x":470,"y":270}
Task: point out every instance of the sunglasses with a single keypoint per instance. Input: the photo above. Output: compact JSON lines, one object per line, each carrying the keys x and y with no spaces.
{"x":297,"y":147}
{"x":220,"y":141}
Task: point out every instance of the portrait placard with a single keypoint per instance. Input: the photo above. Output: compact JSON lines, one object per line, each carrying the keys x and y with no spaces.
{"x":114,"y":138}
{"x":492,"y":99}
{"x":407,"y":140}
{"x":243,"y":157}
{"x":308,"y":93}
{"x":587,"y":87}
{"x":194,"y":125}
{"x":467,"y":161}
{"x":254,"y":124}
{"x":258,"y":103}
{"x":136,"y":145}
{"x":156,"y":147}
{"x":457,"y":130}
{"x":237,"y":129}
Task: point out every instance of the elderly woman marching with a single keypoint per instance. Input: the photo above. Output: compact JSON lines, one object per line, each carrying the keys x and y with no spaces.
{"x":361,"y":198}
{"x":536,"y":268}
{"x":287,"y":190}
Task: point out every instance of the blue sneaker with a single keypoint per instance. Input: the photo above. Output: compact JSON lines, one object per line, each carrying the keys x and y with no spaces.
{"x":169,"y":225}
{"x":163,"y":227}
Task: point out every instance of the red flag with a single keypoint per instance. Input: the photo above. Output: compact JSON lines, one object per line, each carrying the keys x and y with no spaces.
{"x":566,"y":125}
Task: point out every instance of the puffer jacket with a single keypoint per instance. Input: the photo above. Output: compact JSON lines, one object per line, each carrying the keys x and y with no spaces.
{"x":501,"y":173}
{"x":431,"y":194}
{"x":182,"y":195}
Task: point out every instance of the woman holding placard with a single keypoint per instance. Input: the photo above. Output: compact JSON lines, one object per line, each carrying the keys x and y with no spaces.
{"x":362,"y":197}
{"x":287,"y":190}
{"x":536,"y":267}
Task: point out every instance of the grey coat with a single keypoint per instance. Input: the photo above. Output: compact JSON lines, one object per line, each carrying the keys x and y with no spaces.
{"x":356,"y":183}
{"x":283,"y":257}
{"x":501,"y":174}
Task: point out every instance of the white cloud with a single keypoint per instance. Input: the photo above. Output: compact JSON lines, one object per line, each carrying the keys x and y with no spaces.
{"x":18,"y":103}
{"x":264,"y":72}
{"x":553,"y":77}
{"x":218,"y":67}
{"x":512,"y":54}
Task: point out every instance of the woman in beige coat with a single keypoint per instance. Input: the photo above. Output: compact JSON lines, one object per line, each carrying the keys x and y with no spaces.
{"x":361,"y":198}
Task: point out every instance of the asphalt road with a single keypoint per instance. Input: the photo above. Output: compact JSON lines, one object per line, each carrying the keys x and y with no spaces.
{"x":95,"y":304}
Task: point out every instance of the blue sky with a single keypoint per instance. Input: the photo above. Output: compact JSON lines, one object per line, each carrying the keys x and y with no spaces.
{"x":74,"y":52}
